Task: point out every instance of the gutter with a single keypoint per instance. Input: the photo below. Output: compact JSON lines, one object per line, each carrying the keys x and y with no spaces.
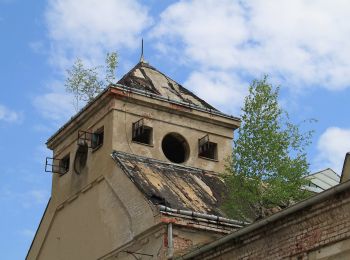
{"x":165,"y":209}
{"x":299,"y":206}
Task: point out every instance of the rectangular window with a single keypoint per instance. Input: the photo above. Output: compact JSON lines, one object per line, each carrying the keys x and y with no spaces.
{"x":141,"y":133}
{"x":97,"y":138}
{"x":64,"y":164}
{"x":207,"y":149}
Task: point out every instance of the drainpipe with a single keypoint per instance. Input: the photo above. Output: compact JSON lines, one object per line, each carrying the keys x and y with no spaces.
{"x":170,"y":241}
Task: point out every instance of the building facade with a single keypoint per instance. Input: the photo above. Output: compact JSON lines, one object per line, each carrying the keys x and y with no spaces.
{"x":136,"y":174}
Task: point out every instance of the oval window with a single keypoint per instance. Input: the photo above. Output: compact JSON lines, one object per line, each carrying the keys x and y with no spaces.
{"x":80,"y":158}
{"x":175,"y":148}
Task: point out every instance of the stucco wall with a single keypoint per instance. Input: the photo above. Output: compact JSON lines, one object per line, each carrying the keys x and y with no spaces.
{"x":105,"y":215}
{"x":164,"y":122}
{"x":98,"y":161}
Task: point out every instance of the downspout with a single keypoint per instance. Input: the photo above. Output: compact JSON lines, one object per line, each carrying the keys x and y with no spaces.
{"x":170,"y":241}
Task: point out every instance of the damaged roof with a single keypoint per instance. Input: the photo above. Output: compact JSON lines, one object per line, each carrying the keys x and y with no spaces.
{"x":172,"y":185}
{"x":145,"y":77}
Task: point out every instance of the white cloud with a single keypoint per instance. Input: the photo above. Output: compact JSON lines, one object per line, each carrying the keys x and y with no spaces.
{"x":27,"y":233}
{"x":301,"y":43}
{"x":27,"y":198}
{"x":32,"y":197}
{"x":56,"y":104}
{"x":40,"y":153}
{"x":220,"y":89}
{"x":90,"y":28}
{"x":38,"y":47}
{"x":8,"y":115}
{"x":85,"y":29}
{"x":39,"y":196}
{"x":204,"y":28}
{"x":332,"y":146}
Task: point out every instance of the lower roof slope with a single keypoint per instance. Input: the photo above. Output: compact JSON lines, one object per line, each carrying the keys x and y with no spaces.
{"x":172,"y":185}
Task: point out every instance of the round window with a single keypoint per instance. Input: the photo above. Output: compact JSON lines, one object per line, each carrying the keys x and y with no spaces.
{"x":175,"y":148}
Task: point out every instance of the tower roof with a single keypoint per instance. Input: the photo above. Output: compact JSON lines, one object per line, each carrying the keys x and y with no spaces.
{"x":147,"y":78}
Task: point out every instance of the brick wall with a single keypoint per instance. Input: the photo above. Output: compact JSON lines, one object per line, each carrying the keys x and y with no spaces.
{"x":293,"y":236}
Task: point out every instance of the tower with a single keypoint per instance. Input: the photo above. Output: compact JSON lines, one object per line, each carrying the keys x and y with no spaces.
{"x":136,"y":174}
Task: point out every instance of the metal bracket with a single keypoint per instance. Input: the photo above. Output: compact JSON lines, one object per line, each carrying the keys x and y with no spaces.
{"x":54,"y":165}
{"x":137,"y":128}
{"x":203,"y":144}
{"x":84,"y":138}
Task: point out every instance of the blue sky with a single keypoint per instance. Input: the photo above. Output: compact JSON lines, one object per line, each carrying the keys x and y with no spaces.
{"x":214,"y":48}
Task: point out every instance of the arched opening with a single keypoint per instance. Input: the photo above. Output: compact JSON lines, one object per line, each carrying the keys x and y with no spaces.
{"x":81,"y":158}
{"x":175,"y":148}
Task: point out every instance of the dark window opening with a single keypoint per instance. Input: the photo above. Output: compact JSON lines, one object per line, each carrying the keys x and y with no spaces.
{"x":97,"y":138}
{"x":84,"y":138}
{"x":60,"y":166}
{"x":145,"y":137}
{"x":207,"y":149}
{"x":64,"y":164}
{"x":141,"y":133}
{"x":91,"y":140}
{"x":175,"y":148}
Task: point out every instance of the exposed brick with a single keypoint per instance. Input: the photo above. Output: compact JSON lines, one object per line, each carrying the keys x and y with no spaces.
{"x":294,"y":235}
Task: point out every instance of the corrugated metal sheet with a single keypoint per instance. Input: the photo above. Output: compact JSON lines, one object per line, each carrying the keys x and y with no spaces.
{"x":323,"y":180}
{"x":147,"y":78}
{"x":173,"y":185}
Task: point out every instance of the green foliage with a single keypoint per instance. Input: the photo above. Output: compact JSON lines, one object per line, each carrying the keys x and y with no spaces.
{"x":86,"y":83}
{"x":268,"y":163}
{"x":111,"y":65}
